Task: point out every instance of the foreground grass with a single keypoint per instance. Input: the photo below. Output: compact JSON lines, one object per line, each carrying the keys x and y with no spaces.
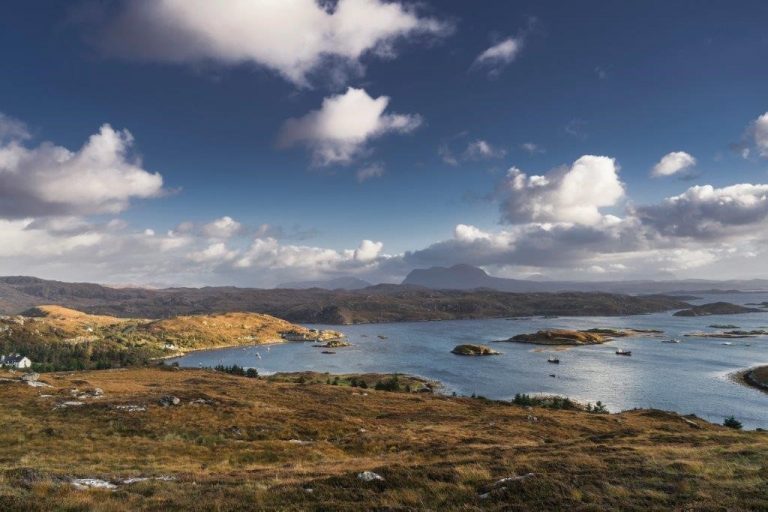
{"x":235,"y":443}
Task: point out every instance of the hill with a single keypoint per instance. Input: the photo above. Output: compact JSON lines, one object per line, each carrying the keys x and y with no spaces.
{"x":58,"y":338}
{"x":339,"y":283}
{"x":717,"y":308}
{"x":380,"y":303}
{"x":236,"y":443}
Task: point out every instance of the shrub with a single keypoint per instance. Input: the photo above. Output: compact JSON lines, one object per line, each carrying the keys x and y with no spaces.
{"x":732,"y":422}
{"x":392,"y":384}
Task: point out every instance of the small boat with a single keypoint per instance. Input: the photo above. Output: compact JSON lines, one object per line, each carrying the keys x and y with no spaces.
{"x":726,"y":343}
{"x":258,"y":356}
{"x":381,"y":337}
{"x":553,"y":360}
{"x":673,"y":340}
{"x":327,"y":352}
{"x":552,"y":375}
{"x":621,"y":352}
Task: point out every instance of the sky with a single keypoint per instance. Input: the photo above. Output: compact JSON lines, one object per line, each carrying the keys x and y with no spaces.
{"x":255,"y":142}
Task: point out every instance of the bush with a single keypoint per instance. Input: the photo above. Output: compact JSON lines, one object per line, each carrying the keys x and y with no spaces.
{"x":732,"y":422}
{"x":237,"y":370}
{"x":547,"y":402}
{"x":598,"y":408}
{"x":392,"y":384}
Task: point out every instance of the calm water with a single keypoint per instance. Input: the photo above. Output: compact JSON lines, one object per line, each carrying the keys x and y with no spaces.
{"x":689,"y":377}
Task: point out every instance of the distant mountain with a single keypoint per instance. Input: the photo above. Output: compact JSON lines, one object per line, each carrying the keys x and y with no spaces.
{"x":339,"y":283}
{"x":467,"y":277}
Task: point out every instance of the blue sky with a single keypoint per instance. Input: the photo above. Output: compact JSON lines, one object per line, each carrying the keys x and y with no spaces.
{"x":631,"y":81}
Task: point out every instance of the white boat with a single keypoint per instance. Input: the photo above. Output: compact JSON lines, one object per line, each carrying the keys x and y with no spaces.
{"x":726,"y":343}
{"x":623,"y":352}
{"x":673,"y":340}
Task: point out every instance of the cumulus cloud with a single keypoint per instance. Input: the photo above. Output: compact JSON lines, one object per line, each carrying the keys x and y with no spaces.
{"x":338,"y":132}
{"x":291,"y":37}
{"x":225,"y":227}
{"x":500,"y":55}
{"x":568,"y":194}
{"x":368,"y":251}
{"x":100,"y":177}
{"x":707,"y":212}
{"x":370,"y":172}
{"x":214,"y":253}
{"x":673,"y":163}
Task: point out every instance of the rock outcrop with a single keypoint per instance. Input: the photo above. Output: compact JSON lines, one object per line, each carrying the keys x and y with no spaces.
{"x":474,"y":350}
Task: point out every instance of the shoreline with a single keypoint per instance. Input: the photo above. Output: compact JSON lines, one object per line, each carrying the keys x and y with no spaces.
{"x":744,"y":378}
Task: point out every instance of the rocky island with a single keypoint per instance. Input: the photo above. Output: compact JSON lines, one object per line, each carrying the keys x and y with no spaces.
{"x":559,"y":337}
{"x":474,"y":350}
{"x":716,"y":308}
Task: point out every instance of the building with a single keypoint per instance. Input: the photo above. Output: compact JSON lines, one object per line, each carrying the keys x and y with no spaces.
{"x":15,"y":361}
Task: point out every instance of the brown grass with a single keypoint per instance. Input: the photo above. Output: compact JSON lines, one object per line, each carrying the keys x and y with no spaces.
{"x":251,"y":444}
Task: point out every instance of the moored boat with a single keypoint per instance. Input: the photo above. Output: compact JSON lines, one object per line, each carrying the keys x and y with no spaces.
{"x":621,"y":352}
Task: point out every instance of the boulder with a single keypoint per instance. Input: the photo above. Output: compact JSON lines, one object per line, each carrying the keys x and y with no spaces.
{"x":370,"y":476}
{"x":168,"y":401}
{"x":30,"y":377}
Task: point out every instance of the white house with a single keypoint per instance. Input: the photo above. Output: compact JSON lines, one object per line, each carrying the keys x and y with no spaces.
{"x":15,"y":361}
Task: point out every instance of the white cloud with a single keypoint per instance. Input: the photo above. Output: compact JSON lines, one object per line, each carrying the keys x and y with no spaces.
{"x":446,"y":155}
{"x":571,"y":194}
{"x":292,"y":37}
{"x":306,"y":260}
{"x":761,"y":134}
{"x":673,"y":163}
{"x":368,"y":251}
{"x":707,"y":212}
{"x":337,"y":133}
{"x":11,"y":128}
{"x":481,"y":149}
{"x":531,"y":148}
{"x":498,"y":56}
{"x":100,"y":177}
{"x":225,"y":227}
{"x":214,"y":253}
{"x":370,"y":172}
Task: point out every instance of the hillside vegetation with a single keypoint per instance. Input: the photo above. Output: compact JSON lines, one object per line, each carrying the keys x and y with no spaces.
{"x":381,"y":303}
{"x":57,"y":338}
{"x":204,"y":440}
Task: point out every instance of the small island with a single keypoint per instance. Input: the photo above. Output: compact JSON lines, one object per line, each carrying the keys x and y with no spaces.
{"x":559,"y":337}
{"x":716,"y":308}
{"x":474,"y":350}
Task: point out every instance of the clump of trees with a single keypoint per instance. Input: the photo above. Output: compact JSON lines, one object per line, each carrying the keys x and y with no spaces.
{"x":732,"y":422}
{"x":49,"y":356}
{"x":557,"y":402}
{"x":251,"y":373}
